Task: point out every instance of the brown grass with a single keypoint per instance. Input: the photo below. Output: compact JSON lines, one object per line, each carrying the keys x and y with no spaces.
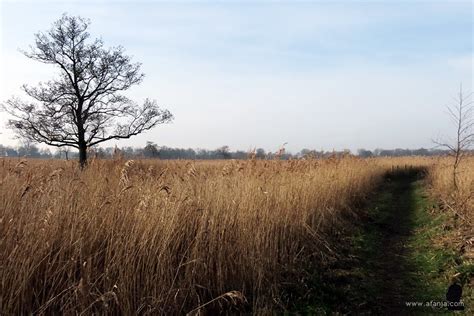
{"x":173,"y":237}
{"x":167,"y":237}
{"x":459,"y":204}
{"x":461,"y":201}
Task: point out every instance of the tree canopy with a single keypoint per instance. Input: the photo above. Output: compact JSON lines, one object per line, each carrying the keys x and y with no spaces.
{"x":84,"y":105}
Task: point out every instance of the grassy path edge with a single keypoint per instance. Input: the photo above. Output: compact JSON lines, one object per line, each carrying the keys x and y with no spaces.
{"x":390,"y":258}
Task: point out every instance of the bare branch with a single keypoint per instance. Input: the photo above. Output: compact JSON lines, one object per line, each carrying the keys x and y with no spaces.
{"x":461,"y":113}
{"x":83,"y":106}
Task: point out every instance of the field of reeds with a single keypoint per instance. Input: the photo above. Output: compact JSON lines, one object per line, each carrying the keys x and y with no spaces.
{"x":458,"y":203}
{"x":172,"y":237}
{"x":460,"y":200}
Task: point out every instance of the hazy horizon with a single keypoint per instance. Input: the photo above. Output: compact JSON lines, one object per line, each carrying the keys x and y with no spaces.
{"x":258,"y":74}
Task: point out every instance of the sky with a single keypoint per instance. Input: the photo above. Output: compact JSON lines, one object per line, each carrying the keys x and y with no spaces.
{"x":313,"y":74}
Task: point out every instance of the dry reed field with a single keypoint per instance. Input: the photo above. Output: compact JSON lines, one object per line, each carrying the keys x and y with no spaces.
{"x":460,"y":201}
{"x":167,"y":237}
{"x":173,"y":237}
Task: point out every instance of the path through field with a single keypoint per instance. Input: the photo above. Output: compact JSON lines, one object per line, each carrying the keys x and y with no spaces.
{"x":393,"y":274}
{"x":389,"y":261}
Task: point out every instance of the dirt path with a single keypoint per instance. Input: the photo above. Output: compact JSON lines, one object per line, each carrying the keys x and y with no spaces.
{"x":386,"y":257}
{"x":393,"y":224}
{"x":376,"y":273}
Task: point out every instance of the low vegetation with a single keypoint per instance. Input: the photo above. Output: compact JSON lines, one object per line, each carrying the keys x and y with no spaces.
{"x":459,"y":201}
{"x":456,"y":230}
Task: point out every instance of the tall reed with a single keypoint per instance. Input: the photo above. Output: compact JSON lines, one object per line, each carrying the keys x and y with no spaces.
{"x":155,"y":237}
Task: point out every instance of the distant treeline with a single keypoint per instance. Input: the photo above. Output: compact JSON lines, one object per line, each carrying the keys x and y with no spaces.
{"x":152,"y":150}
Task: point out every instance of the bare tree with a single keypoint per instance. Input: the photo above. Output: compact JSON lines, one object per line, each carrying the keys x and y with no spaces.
{"x":462,"y":116}
{"x":84,"y":106}
{"x":65,"y":151}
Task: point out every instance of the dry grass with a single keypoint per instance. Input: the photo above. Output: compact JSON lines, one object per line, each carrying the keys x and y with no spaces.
{"x":461,"y":202}
{"x":181,"y":236}
{"x":154,"y":237}
{"x":167,"y":237}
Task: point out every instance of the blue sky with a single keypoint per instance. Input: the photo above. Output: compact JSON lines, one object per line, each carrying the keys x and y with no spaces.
{"x":333,"y":74}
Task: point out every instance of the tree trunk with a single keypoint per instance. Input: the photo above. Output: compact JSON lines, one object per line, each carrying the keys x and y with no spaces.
{"x":83,"y":155}
{"x":81,"y":133}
